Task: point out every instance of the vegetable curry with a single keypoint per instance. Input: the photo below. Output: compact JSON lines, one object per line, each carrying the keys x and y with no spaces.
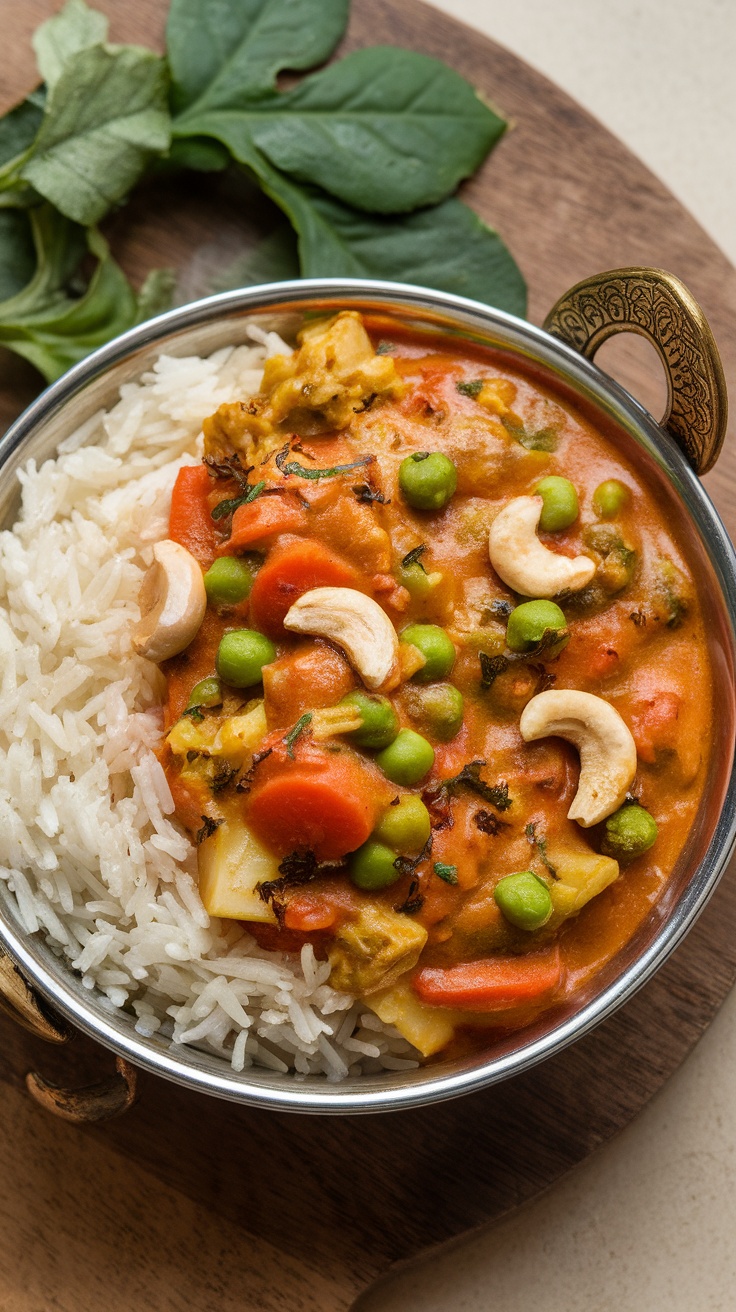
{"x":436,"y":679}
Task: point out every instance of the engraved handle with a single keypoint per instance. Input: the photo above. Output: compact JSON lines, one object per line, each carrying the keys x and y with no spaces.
{"x":656,"y":305}
{"x":97,"y":1102}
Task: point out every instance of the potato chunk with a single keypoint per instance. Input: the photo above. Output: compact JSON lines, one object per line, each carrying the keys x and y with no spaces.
{"x":371,"y":952}
{"x":231,"y":863}
{"x":427,"y":1028}
{"x":581,"y":875}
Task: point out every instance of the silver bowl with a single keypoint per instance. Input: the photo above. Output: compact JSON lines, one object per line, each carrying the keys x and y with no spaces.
{"x":33,"y":977}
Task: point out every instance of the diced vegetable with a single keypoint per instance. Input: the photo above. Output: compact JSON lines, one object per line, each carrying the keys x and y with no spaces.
{"x":328,"y":803}
{"x":427,"y":1028}
{"x":190,"y":521}
{"x":288,"y":574}
{"x":495,"y":984}
{"x":231,"y":863}
{"x":241,"y":734}
{"x":264,"y":517}
{"x":581,"y":875}
{"x":372,"y":951}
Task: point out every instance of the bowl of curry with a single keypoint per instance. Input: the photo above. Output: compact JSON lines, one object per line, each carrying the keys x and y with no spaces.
{"x":445,"y":625}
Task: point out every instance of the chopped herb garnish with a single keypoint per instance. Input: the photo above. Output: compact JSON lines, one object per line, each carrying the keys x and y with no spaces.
{"x":293,"y":467}
{"x":366,"y":494}
{"x":501,"y":609}
{"x":488,"y":823}
{"x":192,"y":756}
{"x":490,"y":668}
{"x":208,"y":828}
{"x":448,"y":873}
{"x":194,"y":713}
{"x":414,"y":557}
{"x":471,"y":388}
{"x":385,"y":347}
{"x":422,"y":455}
{"x":302,"y":723}
{"x":224,"y":775}
{"x":299,"y":867}
{"x":414,"y":901}
{"x":406,"y":865}
{"x":469,"y":777}
{"x":535,"y":840}
{"x":225,"y":508}
{"x":545,"y":439}
{"x":244,"y":783}
{"x":230,"y":467}
{"x":437,"y":802}
{"x":639,"y":618}
{"x":365,"y":405}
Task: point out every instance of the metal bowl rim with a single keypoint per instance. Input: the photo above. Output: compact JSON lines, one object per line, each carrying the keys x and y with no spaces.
{"x":322,"y":1097}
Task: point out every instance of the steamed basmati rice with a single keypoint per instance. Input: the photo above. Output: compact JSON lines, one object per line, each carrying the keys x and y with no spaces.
{"x":87,"y":843}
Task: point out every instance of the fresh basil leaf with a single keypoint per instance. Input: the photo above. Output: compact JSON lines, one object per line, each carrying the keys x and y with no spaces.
{"x":274,"y":259}
{"x":46,"y":322}
{"x":17,"y":258}
{"x":224,"y":53}
{"x":447,"y":247}
{"x":385,"y":130}
{"x":75,"y":28}
{"x":105,"y":118}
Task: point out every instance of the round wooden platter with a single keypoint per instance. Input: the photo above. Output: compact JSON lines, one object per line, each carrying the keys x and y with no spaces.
{"x":188,"y":1202}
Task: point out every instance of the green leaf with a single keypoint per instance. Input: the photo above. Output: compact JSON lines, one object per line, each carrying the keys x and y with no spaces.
{"x":46,"y":322}
{"x":224,"y":53}
{"x":75,"y":28}
{"x":105,"y":118}
{"x":17,"y":258}
{"x":156,"y":294}
{"x":203,"y":154}
{"x":19,"y":126}
{"x":385,"y":130}
{"x":447,"y":247}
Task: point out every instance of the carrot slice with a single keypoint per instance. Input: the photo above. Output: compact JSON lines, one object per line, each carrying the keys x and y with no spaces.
{"x":291,"y":571}
{"x":327,"y":804}
{"x":261,"y":519}
{"x":495,"y":984}
{"x":190,"y":521}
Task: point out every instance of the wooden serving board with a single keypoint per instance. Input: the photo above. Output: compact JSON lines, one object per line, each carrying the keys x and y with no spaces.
{"x":190,"y":1203}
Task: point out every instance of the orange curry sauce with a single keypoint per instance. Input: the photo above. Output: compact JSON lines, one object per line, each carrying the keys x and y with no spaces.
{"x":636,"y":639}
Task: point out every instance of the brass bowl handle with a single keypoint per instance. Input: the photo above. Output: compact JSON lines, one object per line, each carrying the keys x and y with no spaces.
{"x":656,"y":305}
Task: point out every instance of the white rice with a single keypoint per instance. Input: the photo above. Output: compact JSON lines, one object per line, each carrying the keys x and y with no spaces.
{"x":88,"y":844}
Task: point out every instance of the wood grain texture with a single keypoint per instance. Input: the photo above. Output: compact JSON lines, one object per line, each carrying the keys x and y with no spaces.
{"x":190,"y":1203}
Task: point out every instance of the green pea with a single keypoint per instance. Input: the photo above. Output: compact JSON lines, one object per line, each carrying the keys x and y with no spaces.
{"x":372,"y":866}
{"x":560,"y":508}
{"x":380,"y":721}
{"x":436,"y":647}
{"x":207,"y":692}
{"x":427,"y":480}
{"x":405,"y":825}
{"x":524,"y":899}
{"x":628,"y":832}
{"x":228,"y":580}
{"x":609,"y":498}
{"x":528,"y":623}
{"x":442,"y":708}
{"x":241,"y":656}
{"x":408,"y":758}
{"x":418,"y":583}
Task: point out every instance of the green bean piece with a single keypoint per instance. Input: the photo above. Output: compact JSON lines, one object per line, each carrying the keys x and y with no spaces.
{"x":560,"y":508}
{"x":524,"y":900}
{"x":427,"y":480}
{"x":628,"y":832}
{"x":207,"y":692}
{"x":528,"y":623}
{"x":405,"y":826}
{"x":407,"y":760}
{"x":380,"y":721}
{"x":436,"y":647}
{"x":241,"y":656}
{"x":228,"y":580}
{"x":609,"y":498}
{"x":372,"y":866}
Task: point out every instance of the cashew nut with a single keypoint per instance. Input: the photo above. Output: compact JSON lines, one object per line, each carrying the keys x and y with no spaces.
{"x":524,"y":564}
{"x":606,"y":747}
{"x":354,"y":622}
{"x":172,"y":602}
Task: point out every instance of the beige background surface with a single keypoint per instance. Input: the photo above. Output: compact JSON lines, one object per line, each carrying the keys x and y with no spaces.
{"x":649,"y":1224}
